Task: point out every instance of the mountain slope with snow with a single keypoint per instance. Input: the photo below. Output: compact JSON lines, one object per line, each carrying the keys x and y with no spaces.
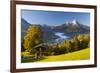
{"x":59,"y":32}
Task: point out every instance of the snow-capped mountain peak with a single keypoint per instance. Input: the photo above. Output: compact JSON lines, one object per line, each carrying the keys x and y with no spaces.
{"x":66,"y":22}
{"x":75,"y":22}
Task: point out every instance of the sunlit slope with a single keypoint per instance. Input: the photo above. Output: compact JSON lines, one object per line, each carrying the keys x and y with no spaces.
{"x":78,"y":55}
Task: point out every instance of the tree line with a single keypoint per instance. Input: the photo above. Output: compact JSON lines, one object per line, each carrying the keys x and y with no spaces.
{"x":76,"y":43}
{"x":34,"y":36}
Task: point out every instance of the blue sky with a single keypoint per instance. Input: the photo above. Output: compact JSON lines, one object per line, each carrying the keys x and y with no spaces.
{"x":53,"y":17}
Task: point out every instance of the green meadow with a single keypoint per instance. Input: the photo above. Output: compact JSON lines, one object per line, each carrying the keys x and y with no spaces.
{"x":78,"y":55}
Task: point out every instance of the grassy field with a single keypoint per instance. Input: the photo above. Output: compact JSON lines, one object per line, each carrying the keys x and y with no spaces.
{"x":78,"y":55}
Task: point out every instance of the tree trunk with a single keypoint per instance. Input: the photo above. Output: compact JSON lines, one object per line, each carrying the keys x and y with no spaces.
{"x":36,"y":56}
{"x":40,"y":52}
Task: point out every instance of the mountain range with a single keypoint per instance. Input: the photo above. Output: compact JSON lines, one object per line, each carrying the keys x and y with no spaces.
{"x":59,"y":32}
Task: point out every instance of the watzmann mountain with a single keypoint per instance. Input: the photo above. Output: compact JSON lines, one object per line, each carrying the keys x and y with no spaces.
{"x":58,"y":32}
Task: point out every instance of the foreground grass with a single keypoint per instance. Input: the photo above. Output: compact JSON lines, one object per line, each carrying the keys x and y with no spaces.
{"x":78,"y":55}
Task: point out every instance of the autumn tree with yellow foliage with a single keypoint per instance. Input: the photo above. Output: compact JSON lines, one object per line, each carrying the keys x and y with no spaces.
{"x":32,"y":38}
